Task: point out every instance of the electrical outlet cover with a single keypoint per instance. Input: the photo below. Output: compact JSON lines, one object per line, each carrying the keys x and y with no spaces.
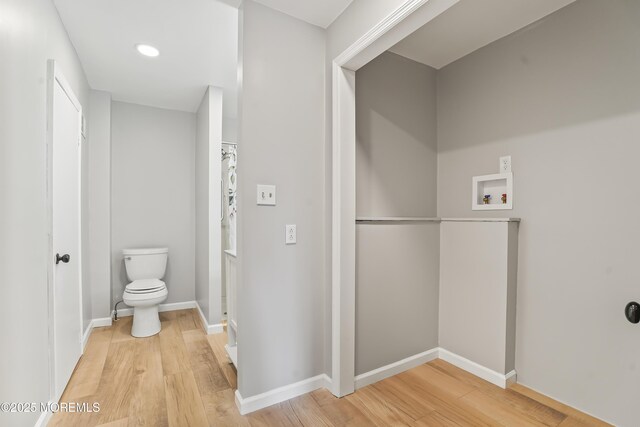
{"x":505,"y":164}
{"x":290,"y":237}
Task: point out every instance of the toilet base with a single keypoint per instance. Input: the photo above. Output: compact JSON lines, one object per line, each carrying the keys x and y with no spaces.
{"x":146,"y":321}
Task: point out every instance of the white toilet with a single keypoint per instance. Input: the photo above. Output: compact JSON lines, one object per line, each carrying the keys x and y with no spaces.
{"x":145,"y":268}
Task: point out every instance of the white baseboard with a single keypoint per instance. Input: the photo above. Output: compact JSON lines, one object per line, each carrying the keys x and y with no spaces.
{"x":215,"y":329}
{"x":280,"y":394}
{"x":232,"y":353}
{"x":86,"y":335}
{"x":95,"y":323}
{"x":202,"y":319}
{"x":177,"y":306}
{"x":44,"y":418}
{"x":122,"y":312}
{"x":501,"y":380}
{"x":510,"y":378}
{"x":209,"y":329}
{"x":101,"y":322}
{"x":395,"y":368}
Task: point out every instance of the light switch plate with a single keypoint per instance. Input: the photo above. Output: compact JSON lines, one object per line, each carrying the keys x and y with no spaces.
{"x":266,"y":195}
{"x":291,"y":234}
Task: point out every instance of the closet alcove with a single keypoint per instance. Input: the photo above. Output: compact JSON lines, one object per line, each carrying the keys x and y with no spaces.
{"x":426,"y":287}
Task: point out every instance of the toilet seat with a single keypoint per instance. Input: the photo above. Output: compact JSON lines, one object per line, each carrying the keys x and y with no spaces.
{"x":145,"y":286}
{"x":146,"y":298}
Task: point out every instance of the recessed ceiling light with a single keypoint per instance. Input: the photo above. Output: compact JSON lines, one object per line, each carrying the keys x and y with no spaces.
{"x":147,"y":50}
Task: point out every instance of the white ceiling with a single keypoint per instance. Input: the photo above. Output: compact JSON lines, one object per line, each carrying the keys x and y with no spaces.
{"x":317,"y":12}
{"x":197,"y":41}
{"x":470,"y":25}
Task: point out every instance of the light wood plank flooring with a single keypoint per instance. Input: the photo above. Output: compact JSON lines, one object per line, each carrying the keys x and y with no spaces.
{"x":181,"y":377}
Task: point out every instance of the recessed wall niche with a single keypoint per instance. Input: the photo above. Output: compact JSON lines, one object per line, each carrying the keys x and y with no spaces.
{"x":492,"y":192}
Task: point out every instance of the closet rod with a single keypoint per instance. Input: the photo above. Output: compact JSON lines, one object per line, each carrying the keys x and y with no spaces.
{"x":230,"y":143}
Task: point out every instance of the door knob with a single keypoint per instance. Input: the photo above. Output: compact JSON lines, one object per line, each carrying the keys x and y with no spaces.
{"x":632,"y":312}
{"x":64,"y":258}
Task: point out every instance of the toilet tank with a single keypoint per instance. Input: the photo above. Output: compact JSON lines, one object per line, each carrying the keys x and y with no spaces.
{"x":150,"y":263}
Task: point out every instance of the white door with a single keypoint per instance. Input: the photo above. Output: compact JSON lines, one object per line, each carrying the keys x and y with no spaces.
{"x":65,"y":138}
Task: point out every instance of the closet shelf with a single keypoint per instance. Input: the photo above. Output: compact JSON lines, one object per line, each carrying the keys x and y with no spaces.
{"x":383,"y":219}
{"x":480,"y":219}
{"x":396,"y":219}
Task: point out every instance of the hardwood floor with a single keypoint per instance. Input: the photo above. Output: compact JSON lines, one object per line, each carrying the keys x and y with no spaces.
{"x":181,"y":377}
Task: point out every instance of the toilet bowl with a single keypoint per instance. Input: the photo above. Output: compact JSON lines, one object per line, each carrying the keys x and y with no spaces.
{"x":145,"y":268}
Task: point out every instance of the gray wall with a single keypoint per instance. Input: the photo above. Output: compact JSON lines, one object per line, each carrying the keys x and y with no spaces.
{"x":100,"y":204}
{"x":152,"y":195}
{"x":31,"y":34}
{"x":562,"y":98}
{"x":396,"y":292}
{"x":229,"y":130}
{"x":477,"y":295}
{"x":396,"y":171}
{"x":281,"y":316}
{"x":396,"y":145}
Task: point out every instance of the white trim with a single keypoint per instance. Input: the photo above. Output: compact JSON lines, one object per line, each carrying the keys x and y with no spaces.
{"x":280,"y":394}
{"x":94,"y":323}
{"x":214,"y":97}
{"x":66,"y":87}
{"x":343,"y":233}
{"x":209,"y":329}
{"x":44,"y":417}
{"x":123,"y":312}
{"x":205,"y":324}
{"x":217,"y":328}
{"x":400,"y":23}
{"x":86,"y":335}
{"x":396,"y":368}
{"x":510,"y":378}
{"x":232,"y":352}
{"x":501,"y":380}
{"x":173,"y":306}
{"x":102,"y":322}
{"x":378,"y":31}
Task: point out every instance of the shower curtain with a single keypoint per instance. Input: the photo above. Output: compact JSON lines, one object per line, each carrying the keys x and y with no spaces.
{"x":232,"y":206}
